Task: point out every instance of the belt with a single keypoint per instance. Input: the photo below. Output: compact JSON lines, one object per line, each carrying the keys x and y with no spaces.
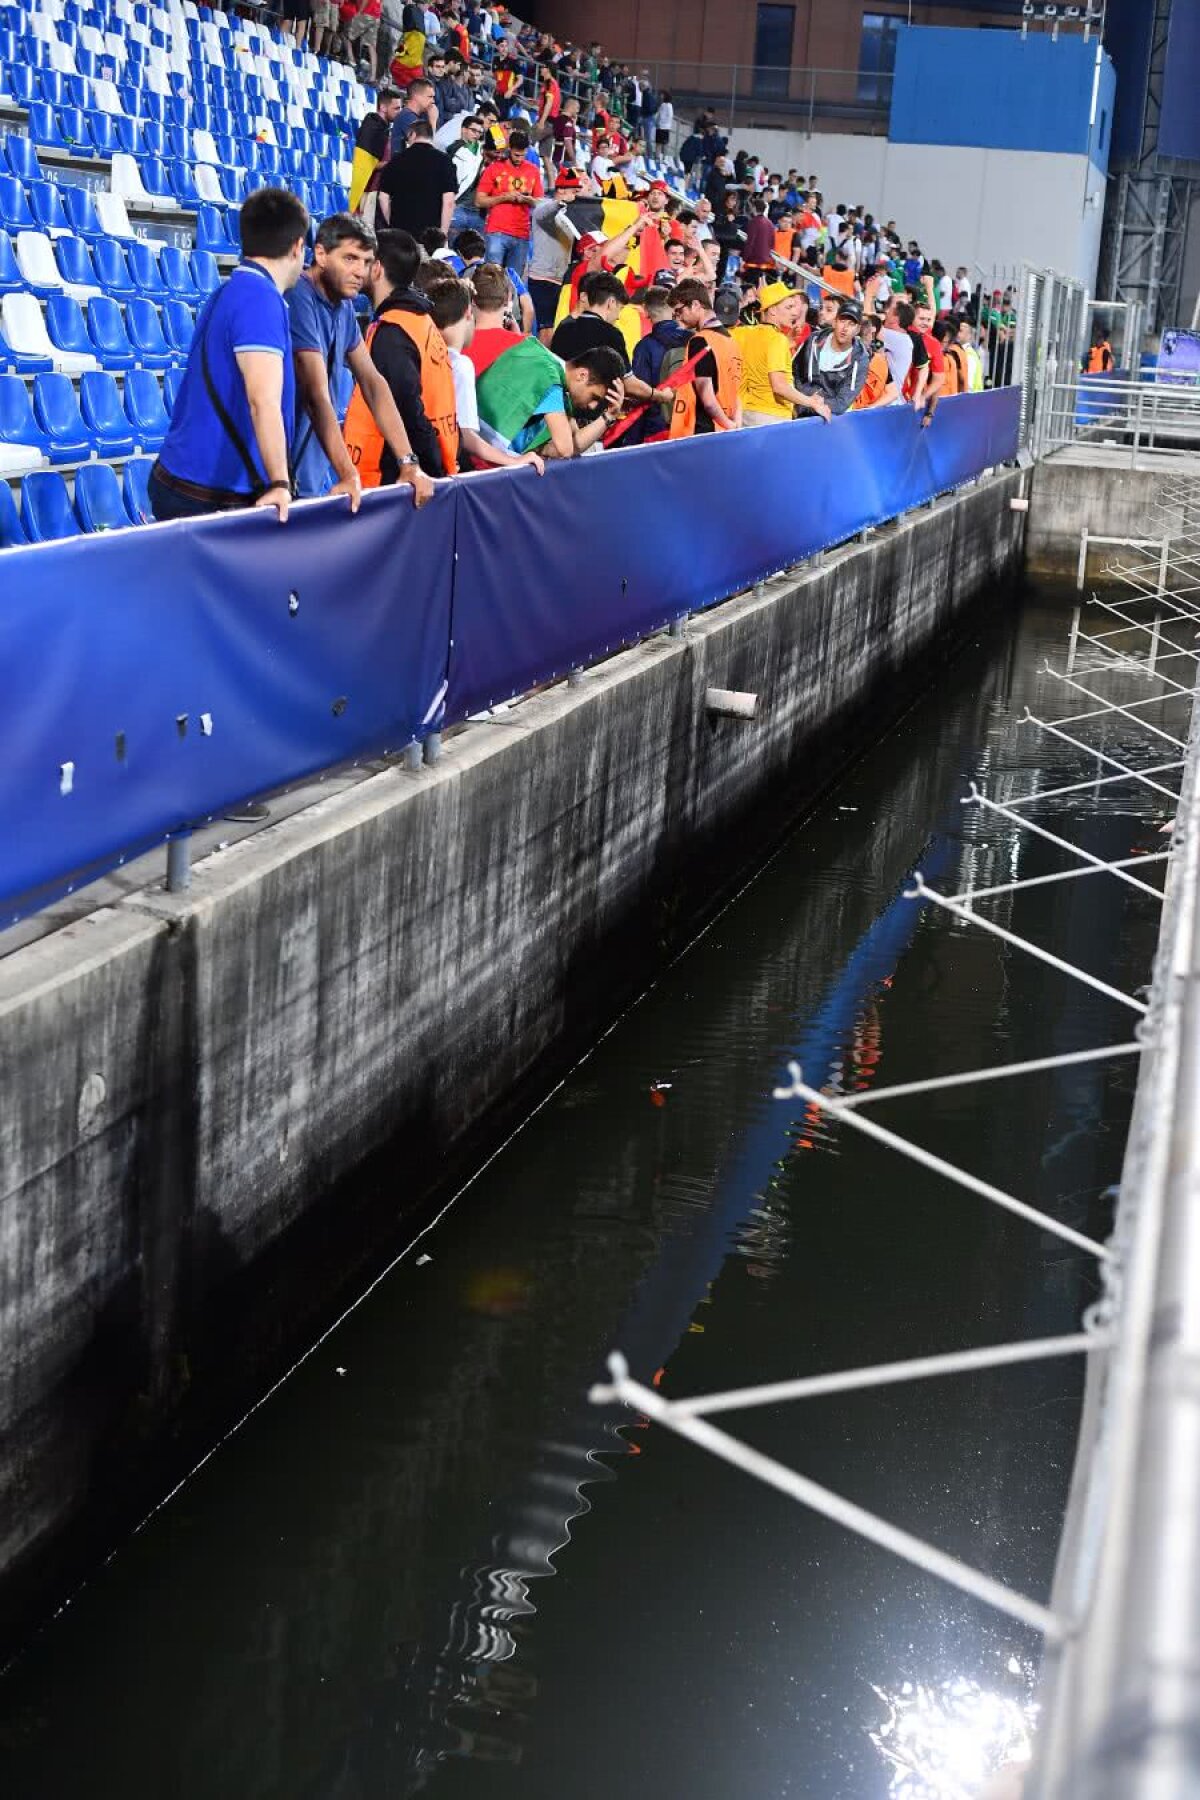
{"x":195,"y":490}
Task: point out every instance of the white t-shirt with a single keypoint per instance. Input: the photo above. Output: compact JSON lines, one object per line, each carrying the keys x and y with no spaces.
{"x":463,"y":370}
{"x":945,"y":293}
{"x":666,"y":116}
{"x":897,"y":347}
{"x":602,"y":168}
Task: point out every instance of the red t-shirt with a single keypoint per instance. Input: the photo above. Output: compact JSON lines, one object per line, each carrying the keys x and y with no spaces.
{"x":503,"y":178}
{"x":487,"y":345}
{"x":937,"y":362}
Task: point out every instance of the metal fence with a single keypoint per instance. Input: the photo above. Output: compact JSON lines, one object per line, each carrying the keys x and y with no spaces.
{"x":797,"y":99}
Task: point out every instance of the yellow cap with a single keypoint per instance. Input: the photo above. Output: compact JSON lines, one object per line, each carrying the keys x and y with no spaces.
{"x":772,"y":292}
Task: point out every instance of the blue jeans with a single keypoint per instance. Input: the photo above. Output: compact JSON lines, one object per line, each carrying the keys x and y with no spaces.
{"x":466,"y":220}
{"x":509,"y":252}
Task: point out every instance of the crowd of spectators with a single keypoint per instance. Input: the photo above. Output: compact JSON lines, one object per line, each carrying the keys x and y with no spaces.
{"x":518,"y":280}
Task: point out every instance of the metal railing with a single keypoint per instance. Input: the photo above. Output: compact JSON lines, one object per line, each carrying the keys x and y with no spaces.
{"x":799,"y":99}
{"x":1154,"y":422}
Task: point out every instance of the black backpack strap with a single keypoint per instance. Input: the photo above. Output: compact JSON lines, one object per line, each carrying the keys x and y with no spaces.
{"x":257,"y":484}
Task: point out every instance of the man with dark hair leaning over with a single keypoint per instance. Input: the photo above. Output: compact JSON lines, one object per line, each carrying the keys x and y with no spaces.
{"x":410,"y":354}
{"x":227,"y":445}
{"x":326,"y":338}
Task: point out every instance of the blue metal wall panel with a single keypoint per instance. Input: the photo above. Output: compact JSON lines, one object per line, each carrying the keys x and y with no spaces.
{"x":1179,"y":124}
{"x":994,"y":90}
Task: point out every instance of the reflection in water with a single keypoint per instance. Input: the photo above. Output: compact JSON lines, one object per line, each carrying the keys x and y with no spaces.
{"x":428,"y":1566}
{"x":952,"y":1739}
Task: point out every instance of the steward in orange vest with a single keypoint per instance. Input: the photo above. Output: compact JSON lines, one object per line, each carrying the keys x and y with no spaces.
{"x":1099,"y":360}
{"x":722,"y":365}
{"x":410,"y":353}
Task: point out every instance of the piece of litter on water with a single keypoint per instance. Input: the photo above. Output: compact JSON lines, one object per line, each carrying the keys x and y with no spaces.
{"x":847,"y":809}
{"x":339,"y":1371}
{"x":423,"y":1259}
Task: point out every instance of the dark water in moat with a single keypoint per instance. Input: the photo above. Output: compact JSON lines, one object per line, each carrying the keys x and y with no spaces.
{"x":427,"y":1565}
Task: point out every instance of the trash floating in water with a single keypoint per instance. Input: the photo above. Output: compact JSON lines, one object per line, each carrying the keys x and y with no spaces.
{"x":423,"y":1259}
{"x":659,"y":1091}
{"x":339,"y":1371}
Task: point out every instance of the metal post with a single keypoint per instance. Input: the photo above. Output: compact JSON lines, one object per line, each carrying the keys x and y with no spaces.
{"x":179,"y":861}
{"x":1163,"y":560}
{"x":574,"y":678}
{"x":433,"y":748}
{"x":412,"y":755}
{"x":1154,"y":637}
{"x":1081,"y":572}
{"x":678,"y":627}
{"x":1137,"y":427}
{"x":1073,"y":640}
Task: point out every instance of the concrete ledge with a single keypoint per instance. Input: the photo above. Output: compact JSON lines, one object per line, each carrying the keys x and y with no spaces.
{"x":1069,"y":493}
{"x":194,"y":1080}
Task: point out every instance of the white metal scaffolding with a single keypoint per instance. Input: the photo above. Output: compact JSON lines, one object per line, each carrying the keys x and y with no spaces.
{"x":1156,"y":623}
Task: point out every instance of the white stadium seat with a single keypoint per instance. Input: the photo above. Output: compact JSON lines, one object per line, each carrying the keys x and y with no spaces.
{"x":204,"y":148}
{"x":127,"y":182}
{"x":111,"y":212}
{"x":25,"y":329}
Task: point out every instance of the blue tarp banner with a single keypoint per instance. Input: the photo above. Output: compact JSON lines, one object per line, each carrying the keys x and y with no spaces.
{"x":595,"y":554}
{"x":151,"y":678}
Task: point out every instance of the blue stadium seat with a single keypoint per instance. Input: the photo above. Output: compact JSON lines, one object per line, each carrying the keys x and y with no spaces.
{"x":46,"y":205}
{"x":143,"y":267}
{"x":154,"y":178}
{"x":211,"y":232}
{"x":73,"y":123}
{"x":183,"y":185}
{"x":145,"y":410}
{"x":17,"y":423}
{"x":129,"y":128}
{"x":74,"y":263}
{"x":85,"y":62}
{"x":154,"y":139}
{"x":22,"y":158}
{"x":12,"y":532}
{"x":80,"y":209}
{"x":98,"y":499}
{"x":64,"y":322}
{"x":106,"y":328}
{"x":152,"y":106}
{"x":76,"y":91}
{"x":103,"y":132}
{"x":172,"y":382}
{"x":57,"y":412}
{"x":150,"y":347}
{"x":52,"y":87}
{"x":204,"y":269}
{"x":14,"y":207}
{"x":177,"y":277}
{"x":46,"y":510}
{"x":179,"y":327}
{"x":103,"y":414}
{"x":133,"y":487}
{"x":112,"y":270}
{"x":43,"y":126}
{"x":21,"y":80}
{"x":11,"y":279}
{"x":179,"y":143}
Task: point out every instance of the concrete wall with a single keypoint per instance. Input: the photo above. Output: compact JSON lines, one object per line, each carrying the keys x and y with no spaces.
{"x":191,"y":1080}
{"x":991,"y":209}
{"x":1104,"y":494}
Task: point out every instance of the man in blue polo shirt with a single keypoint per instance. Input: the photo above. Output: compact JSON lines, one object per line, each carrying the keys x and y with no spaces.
{"x":227,"y":445}
{"x":326,"y":339}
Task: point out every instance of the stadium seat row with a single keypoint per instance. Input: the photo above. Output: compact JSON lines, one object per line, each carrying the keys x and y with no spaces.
{"x":146,"y":336}
{"x":107,"y":266}
{"x":55,"y":424}
{"x":102,"y":503}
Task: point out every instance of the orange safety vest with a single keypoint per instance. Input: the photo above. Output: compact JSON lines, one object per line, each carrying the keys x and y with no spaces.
{"x":729,"y":376}
{"x":1100,"y":359}
{"x":783,"y":244}
{"x":841,"y":279}
{"x":958,"y":373}
{"x":364,"y":440}
{"x":878,"y":376}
